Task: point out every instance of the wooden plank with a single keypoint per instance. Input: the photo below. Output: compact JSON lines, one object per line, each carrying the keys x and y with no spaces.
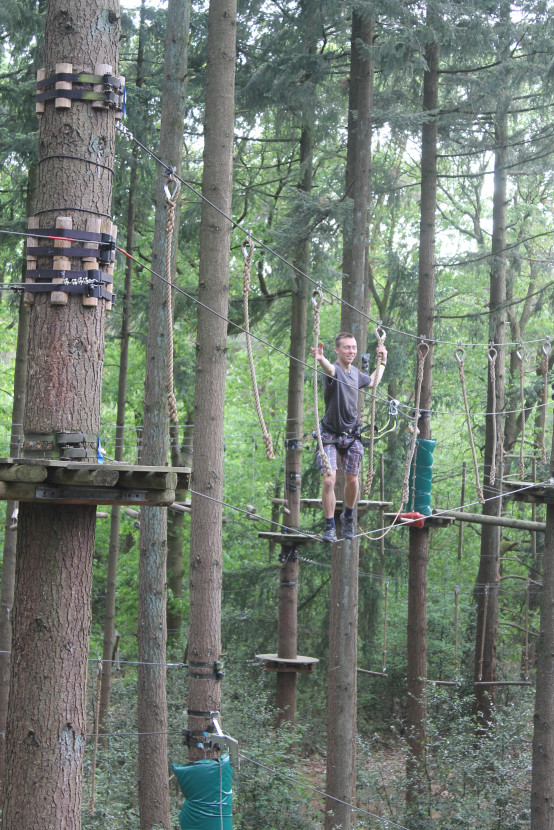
{"x":300,"y":664}
{"x":363,"y":504}
{"x":531,"y":493}
{"x":99,"y":476}
{"x":287,"y":538}
{"x":152,"y":479}
{"x":74,"y":494}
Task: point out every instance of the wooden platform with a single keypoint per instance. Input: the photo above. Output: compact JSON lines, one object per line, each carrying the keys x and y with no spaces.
{"x":75,"y":482}
{"x":362,"y":505}
{"x":533,"y":493}
{"x":440,"y":520}
{"x":299,"y":664}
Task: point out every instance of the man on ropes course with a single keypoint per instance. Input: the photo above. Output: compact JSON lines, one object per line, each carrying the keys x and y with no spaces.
{"x":340,"y":428}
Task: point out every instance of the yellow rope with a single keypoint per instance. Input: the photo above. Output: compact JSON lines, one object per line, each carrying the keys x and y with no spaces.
{"x":96,"y":725}
{"x":247,"y":252}
{"x":422,"y":351}
{"x":317,"y":300}
{"x":545,"y":353}
{"x":380,"y":335}
{"x":171,"y":197}
{"x":521,"y":358}
{"x":492,"y":355}
{"x":460,"y":354}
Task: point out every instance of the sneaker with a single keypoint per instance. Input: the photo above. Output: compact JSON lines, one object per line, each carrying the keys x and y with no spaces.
{"x":347,"y":526}
{"x":329,"y":534}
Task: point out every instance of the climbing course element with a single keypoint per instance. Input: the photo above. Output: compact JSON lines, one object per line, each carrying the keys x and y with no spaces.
{"x":380,"y":334}
{"x":422,"y":352}
{"x":460,"y":354}
{"x":421,"y":478}
{"x":171,"y":191}
{"x":545,"y":353}
{"x":317,"y":300}
{"x":247,"y":252}
{"x":521,"y":357}
{"x":492,"y":354}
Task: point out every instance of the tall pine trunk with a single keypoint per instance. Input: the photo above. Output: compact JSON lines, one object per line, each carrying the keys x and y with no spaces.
{"x":204,"y":642}
{"x":418,"y":556}
{"x":152,"y":631}
{"x":343,"y":597}
{"x":45,"y":737}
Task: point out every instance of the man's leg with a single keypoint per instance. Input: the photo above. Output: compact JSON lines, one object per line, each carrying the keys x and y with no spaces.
{"x":328,"y":495}
{"x":351,"y":466}
{"x":350,"y":490}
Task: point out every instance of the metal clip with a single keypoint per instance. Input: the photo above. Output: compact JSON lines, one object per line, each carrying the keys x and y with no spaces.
{"x":171,"y":193}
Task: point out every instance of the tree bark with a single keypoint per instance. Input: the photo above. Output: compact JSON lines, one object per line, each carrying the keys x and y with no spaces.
{"x":487,"y":585}
{"x":288,"y":579}
{"x":343,"y":599}
{"x":542,"y":781}
{"x":45,"y":736}
{"x":418,"y":556}
{"x":204,"y":644}
{"x":153,"y":778}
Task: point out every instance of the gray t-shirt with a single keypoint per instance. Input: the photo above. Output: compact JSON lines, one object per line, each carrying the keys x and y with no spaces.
{"x":341,"y":399}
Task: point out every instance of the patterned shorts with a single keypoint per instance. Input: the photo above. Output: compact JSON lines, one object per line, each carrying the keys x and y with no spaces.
{"x":350,"y":460}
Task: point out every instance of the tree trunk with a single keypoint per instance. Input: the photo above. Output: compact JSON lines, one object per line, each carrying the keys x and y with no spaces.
{"x":542,"y":781}
{"x":152,"y":633}
{"x":115,"y":519}
{"x":343,"y":599}
{"x":288,"y":581}
{"x":45,"y":736}
{"x":204,"y":644}
{"x":487,"y":585}
{"x":418,"y":556}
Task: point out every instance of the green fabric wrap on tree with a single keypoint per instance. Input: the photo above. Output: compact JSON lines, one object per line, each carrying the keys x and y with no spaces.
{"x":421,"y":482}
{"x":207,"y":787}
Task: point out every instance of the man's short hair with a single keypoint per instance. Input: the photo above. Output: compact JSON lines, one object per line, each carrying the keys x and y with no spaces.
{"x":342,"y":335}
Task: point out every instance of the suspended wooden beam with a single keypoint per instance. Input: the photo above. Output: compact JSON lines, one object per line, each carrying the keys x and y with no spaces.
{"x":287,"y":539}
{"x":501,"y":521}
{"x":542,"y":493}
{"x":362,"y":505}
{"x":372,"y":673}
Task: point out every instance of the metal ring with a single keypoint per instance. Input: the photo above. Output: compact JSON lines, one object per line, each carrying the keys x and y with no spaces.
{"x":380,"y":333}
{"x":171,"y":195}
{"x":460,"y":355}
{"x":317,"y":298}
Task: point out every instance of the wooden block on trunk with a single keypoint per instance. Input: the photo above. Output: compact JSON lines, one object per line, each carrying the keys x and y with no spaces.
{"x":39,"y":106}
{"x":101,"y":69}
{"x":63,"y":103}
{"x":61,"y":263}
{"x":94,"y":224}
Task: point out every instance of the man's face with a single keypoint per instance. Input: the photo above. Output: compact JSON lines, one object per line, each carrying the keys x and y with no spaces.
{"x":346,"y":350}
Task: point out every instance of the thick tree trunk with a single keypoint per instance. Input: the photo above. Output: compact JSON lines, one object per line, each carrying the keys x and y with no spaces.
{"x":152,"y":633}
{"x":288,"y":581}
{"x":419,"y":538}
{"x":343,"y":598}
{"x":542,"y":782}
{"x":204,"y":644}
{"x":487,"y":585}
{"x":45,"y":736}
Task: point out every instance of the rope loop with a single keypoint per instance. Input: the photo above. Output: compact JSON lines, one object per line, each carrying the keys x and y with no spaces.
{"x":317,"y":300}
{"x":248,"y":252}
{"x":380,"y":335}
{"x":172,"y":186}
{"x":171,"y":190}
{"x":459,"y":354}
{"x":546,"y":347}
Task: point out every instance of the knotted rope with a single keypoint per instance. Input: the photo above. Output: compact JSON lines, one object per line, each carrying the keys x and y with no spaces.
{"x":492,"y":354}
{"x":422,"y":351}
{"x":545,"y":352}
{"x":171,"y":196}
{"x":380,"y":335}
{"x":460,"y":354}
{"x":521,"y":357}
{"x":317,"y":300}
{"x":247,"y":253}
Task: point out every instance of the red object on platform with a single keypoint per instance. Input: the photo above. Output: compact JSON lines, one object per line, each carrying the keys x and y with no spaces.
{"x":417,"y":519}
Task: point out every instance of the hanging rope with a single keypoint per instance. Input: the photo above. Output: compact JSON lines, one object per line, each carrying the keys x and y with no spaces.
{"x":492,"y":354}
{"x":460,"y":354}
{"x":96,"y":725}
{"x":317,"y":300}
{"x":380,"y":335}
{"x":521,"y":357}
{"x":385,"y":627}
{"x":171,"y":190}
{"x":483,"y":632}
{"x":247,"y":253}
{"x":545,"y":353}
{"x":422,"y":351}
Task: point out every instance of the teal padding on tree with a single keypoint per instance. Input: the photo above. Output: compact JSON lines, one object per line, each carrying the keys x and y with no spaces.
{"x":208,"y":790}
{"x":420,"y":486}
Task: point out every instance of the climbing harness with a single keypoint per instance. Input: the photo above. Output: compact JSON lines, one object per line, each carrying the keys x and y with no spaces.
{"x":460,"y":354}
{"x":171,"y":191}
{"x":545,"y":353}
{"x":317,"y":300}
{"x":380,"y":334}
{"x":390,"y":426}
{"x":492,"y":354}
{"x":521,"y":357}
{"x":247,"y":252}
